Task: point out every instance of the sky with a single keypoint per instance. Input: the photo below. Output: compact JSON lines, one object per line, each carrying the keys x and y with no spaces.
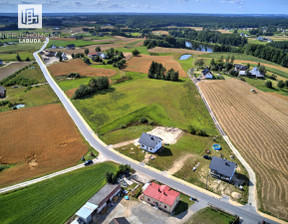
{"x":155,"y":6}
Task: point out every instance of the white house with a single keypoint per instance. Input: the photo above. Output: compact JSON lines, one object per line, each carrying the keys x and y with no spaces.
{"x":150,"y":143}
{"x":242,"y":73}
{"x":255,"y":72}
{"x":53,"y":46}
{"x":207,"y":74}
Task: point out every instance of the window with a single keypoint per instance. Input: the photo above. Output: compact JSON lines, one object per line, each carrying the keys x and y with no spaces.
{"x":165,"y":206}
{"x":148,"y":199}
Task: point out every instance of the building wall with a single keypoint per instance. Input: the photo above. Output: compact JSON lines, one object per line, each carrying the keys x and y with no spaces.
{"x":152,"y":150}
{"x":103,"y":203}
{"x":161,"y":205}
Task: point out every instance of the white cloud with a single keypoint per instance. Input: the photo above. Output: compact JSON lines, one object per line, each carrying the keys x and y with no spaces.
{"x":235,"y":2}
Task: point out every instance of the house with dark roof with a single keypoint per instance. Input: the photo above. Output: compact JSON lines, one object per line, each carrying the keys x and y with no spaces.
{"x":2,"y":92}
{"x":150,"y":143}
{"x":240,"y":67}
{"x":70,"y":46}
{"x":256,"y":73}
{"x":161,"y":196}
{"x":120,"y":220}
{"x":207,"y":74}
{"x":222,"y":168}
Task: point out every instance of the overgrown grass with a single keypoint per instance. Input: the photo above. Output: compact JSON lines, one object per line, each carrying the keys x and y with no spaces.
{"x":20,"y":47}
{"x":12,"y":56}
{"x":209,"y":215}
{"x":78,"y":43}
{"x":56,"y":199}
{"x":130,"y":48}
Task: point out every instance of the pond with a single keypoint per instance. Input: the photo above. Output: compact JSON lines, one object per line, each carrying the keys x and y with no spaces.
{"x":185,"y":56}
{"x":18,"y":106}
{"x":199,"y":47}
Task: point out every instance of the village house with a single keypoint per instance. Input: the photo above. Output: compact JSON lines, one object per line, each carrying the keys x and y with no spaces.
{"x":161,"y":196}
{"x":240,"y":67}
{"x":256,"y":73}
{"x":100,"y":54}
{"x":96,"y":204}
{"x":207,"y":74}
{"x":70,"y":46}
{"x":2,"y":92}
{"x":222,"y":168}
{"x":53,"y":46}
{"x":150,"y":143}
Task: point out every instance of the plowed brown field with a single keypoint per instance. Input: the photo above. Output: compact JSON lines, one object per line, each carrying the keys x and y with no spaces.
{"x":38,"y":140}
{"x":77,"y":65}
{"x":142,"y":64}
{"x":258,"y":126}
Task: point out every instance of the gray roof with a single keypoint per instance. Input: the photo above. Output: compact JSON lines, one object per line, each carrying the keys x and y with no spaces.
{"x":222,"y":166}
{"x":149,"y":140}
{"x":256,"y":71}
{"x":205,"y":71}
{"x":104,"y":191}
{"x":120,"y":220}
{"x":2,"y":89}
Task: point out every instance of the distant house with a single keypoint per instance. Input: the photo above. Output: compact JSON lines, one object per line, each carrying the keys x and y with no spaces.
{"x":256,"y":73}
{"x":240,"y":67}
{"x":53,"y":46}
{"x":100,"y":54}
{"x":260,"y":38}
{"x":2,"y":92}
{"x":222,"y":168}
{"x":120,"y":220}
{"x":97,"y":203}
{"x":90,"y":55}
{"x":50,"y":53}
{"x":150,"y":143}
{"x":207,"y":74}
{"x":1,"y":62}
{"x":103,"y":55}
{"x":70,"y":46}
{"x":161,"y":196}
{"x":63,"y":55}
{"x":242,"y":73}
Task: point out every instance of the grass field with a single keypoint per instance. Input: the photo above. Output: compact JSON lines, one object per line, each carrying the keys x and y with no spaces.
{"x":210,"y":215}
{"x":12,"y":68}
{"x":54,"y":200}
{"x":257,"y":125}
{"x":12,"y":56}
{"x":20,"y":47}
{"x":63,"y":43}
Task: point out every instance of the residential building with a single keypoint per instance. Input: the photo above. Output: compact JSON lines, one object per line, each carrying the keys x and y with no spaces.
{"x":207,"y":74}
{"x":2,"y":92}
{"x":120,"y":220}
{"x":240,"y":67}
{"x":53,"y":46}
{"x":222,"y":168}
{"x":97,"y":202}
{"x":70,"y":46}
{"x":161,"y":196}
{"x":256,"y":73}
{"x":242,"y":73}
{"x":150,"y":143}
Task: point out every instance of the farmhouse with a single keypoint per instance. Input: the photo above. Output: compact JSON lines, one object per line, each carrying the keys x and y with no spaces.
{"x":242,"y":73}
{"x":53,"y":46}
{"x":240,"y":67}
{"x":120,"y":220}
{"x":50,"y":53}
{"x":255,"y":72}
{"x":2,"y":92}
{"x":97,"y":203}
{"x":222,"y":168}
{"x":207,"y":74}
{"x":161,"y":196}
{"x":150,"y":143}
{"x":70,"y":46}
{"x":100,"y":54}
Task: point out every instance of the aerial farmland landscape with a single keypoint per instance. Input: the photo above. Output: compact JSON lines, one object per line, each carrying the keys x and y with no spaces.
{"x":144,"y":112}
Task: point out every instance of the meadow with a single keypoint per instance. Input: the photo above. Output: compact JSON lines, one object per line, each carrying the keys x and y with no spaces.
{"x":12,"y":56}
{"x":78,"y":43}
{"x":56,"y":199}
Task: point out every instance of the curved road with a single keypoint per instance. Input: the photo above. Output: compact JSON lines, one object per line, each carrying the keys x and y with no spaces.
{"x":247,"y":213}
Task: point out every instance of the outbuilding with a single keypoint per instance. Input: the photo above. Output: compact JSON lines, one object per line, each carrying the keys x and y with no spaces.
{"x":2,"y":92}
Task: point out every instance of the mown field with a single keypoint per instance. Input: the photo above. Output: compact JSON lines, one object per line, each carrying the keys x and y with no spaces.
{"x":54,"y":200}
{"x":10,"y":69}
{"x":63,"y":43}
{"x":12,"y":56}
{"x":257,"y":125}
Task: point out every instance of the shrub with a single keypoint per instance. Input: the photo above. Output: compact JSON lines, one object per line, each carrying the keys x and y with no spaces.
{"x":143,"y":120}
{"x":191,"y":130}
{"x":201,"y":133}
{"x":280,"y":84}
{"x":268,"y":84}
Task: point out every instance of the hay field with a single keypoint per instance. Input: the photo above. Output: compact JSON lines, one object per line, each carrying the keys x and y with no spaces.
{"x":12,"y":68}
{"x":142,"y":64}
{"x":38,"y":141}
{"x":78,"y":66}
{"x":258,"y":126}
{"x":175,"y":50}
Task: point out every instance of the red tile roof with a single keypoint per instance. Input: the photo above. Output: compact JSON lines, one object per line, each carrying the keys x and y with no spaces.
{"x":161,"y":193}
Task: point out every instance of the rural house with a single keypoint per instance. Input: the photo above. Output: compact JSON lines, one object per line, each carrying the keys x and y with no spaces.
{"x":256,"y":73}
{"x":161,"y":196}
{"x":2,"y":92}
{"x":120,"y":220}
{"x":53,"y":46}
{"x":70,"y":46}
{"x":150,"y":143}
{"x":207,"y":74}
{"x":222,"y":168}
{"x":240,"y":67}
{"x":97,"y":203}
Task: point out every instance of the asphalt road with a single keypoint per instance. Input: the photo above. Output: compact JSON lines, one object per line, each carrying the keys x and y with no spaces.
{"x":247,"y":213}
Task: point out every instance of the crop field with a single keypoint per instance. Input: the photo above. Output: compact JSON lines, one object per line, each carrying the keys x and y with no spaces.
{"x":54,"y":200}
{"x":160,"y":32}
{"x":12,"y":56}
{"x":78,"y":66}
{"x":143,"y":62}
{"x":20,"y":47}
{"x":175,"y":50}
{"x":63,"y":43}
{"x":37,"y":141}
{"x":258,"y":126}
{"x":10,"y":69}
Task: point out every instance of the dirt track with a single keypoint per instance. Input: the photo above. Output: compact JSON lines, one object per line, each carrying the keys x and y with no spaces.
{"x":143,"y":62}
{"x":258,"y":126}
{"x":78,"y":66}
{"x":38,"y":141}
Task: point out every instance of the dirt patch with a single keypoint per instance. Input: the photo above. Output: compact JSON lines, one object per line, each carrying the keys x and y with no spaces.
{"x":143,"y":62}
{"x":38,"y":140}
{"x":175,"y":50}
{"x":279,"y":95}
{"x":70,"y":92}
{"x":258,"y":126}
{"x":78,"y":66}
{"x":12,"y":68}
{"x":179,"y":164}
{"x":236,"y":195}
{"x":170,"y":135}
{"x":160,"y":32}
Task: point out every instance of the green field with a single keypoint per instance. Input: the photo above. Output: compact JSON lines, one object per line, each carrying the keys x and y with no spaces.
{"x":78,"y":43}
{"x":254,"y":41}
{"x":209,"y":215}
{"x":166,"y":103}
{"x":54,"y":200}
{"x":130,"y":48}
{"x":20,"y":47}
{"x":12,"y":56}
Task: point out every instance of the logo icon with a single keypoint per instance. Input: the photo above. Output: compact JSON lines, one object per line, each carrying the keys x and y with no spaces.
{"x":29,"y":16}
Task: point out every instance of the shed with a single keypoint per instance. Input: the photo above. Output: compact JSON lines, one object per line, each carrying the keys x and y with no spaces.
{"x":85,"y":213}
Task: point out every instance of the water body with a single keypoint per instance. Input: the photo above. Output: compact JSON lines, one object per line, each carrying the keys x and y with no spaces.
{"x":199,"y":47}
{"x":185,"y":56}
{"x":18,"y":106}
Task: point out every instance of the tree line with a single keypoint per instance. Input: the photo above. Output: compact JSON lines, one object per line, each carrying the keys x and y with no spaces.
{"x":95,"y":85}
{"x":283,"y":45}
{"x":158,"y":71}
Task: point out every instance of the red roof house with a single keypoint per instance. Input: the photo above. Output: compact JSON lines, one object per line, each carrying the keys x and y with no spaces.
{"x":161,"y":196}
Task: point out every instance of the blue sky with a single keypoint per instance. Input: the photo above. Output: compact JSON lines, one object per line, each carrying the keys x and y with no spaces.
{"x":155,"y":6}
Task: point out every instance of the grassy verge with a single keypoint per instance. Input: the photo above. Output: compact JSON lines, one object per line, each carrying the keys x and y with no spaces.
{"x":56,"y":199}
{"x":183,"y":204}
{"x":210,"y":215}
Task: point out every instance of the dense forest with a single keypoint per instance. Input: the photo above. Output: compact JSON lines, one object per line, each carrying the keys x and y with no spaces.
{"x":280,"y":44}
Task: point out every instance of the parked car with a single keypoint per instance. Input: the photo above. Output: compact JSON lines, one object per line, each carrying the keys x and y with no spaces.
{"x":88,"y":162}
{"x":207,"y":157}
